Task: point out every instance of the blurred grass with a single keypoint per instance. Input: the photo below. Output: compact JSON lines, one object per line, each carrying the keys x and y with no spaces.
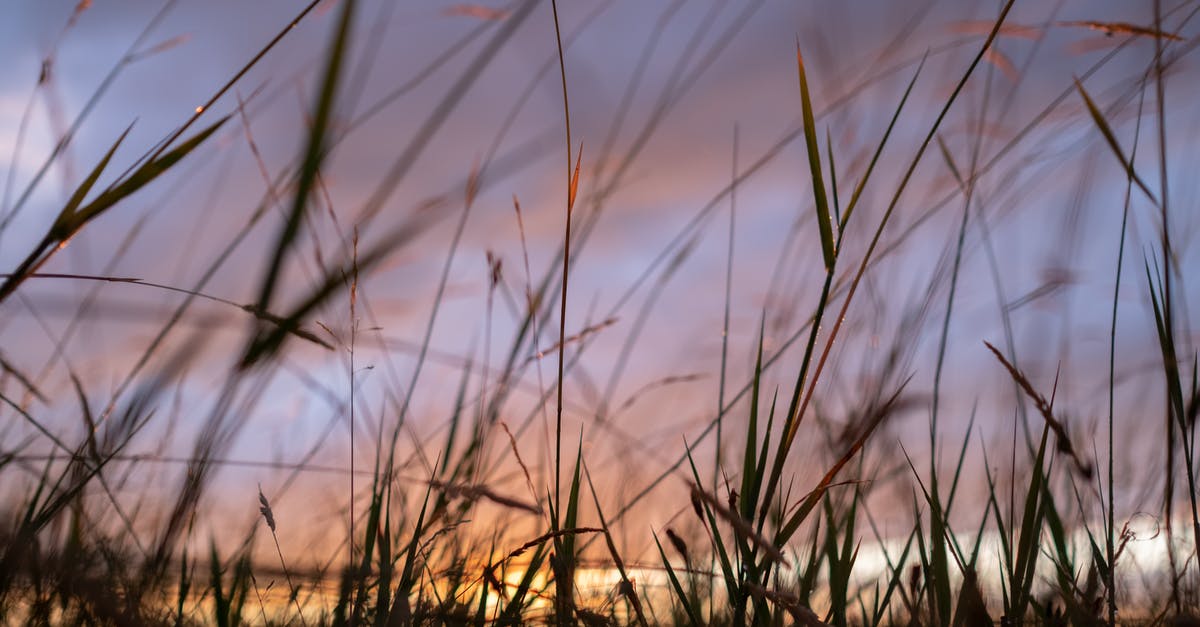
{"x":439,"y":536}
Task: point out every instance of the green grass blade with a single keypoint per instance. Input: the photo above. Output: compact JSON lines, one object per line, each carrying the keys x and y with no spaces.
{"x":1028,"y":541}
{"x":69,"y":216}
{"x":883,"y":602}
{"x":833,"y":183}
{"x":750,"y":476}
{"x":455,"y":419}
{"x":66,"y":224}
{"x":838,"y":579}
{"x":400,"y":607}
{"x":937,"y":571}
{"x":145,"y":174}
{"x":824,"y":222}
{"x":812,"y":567}
{"x":564,"y":560}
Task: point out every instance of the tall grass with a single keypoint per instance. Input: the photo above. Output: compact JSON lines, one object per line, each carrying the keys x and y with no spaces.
{"x":817,"y":507}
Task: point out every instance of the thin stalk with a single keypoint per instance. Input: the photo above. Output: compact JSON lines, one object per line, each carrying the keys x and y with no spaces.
{"x":562,"y":314}
{"x":1109,"y":549}
{"x":728,"y":299}
{"x":564,"y":577}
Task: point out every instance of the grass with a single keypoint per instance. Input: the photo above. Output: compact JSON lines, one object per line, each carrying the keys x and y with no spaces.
{"x":456,"y":503}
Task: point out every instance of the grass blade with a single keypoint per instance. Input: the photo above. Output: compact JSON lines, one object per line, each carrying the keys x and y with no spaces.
{"x":1106,"y":131}
{"x":824,"y":222}
{"x":314,"y":152}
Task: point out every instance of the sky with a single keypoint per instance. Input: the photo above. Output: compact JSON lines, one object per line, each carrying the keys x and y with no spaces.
{"x":672,"y":101}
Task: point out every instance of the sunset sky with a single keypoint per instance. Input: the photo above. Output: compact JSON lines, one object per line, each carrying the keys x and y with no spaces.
{"x":1046,"y":213}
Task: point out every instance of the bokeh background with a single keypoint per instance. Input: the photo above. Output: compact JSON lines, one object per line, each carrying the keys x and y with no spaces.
{"x":672,"y":102}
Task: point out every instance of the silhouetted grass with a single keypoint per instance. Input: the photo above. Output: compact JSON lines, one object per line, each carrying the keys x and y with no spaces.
{"x":465,"y":526}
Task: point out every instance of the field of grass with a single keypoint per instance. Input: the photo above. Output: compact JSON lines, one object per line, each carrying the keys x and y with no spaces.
{"x":360,"y":312}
